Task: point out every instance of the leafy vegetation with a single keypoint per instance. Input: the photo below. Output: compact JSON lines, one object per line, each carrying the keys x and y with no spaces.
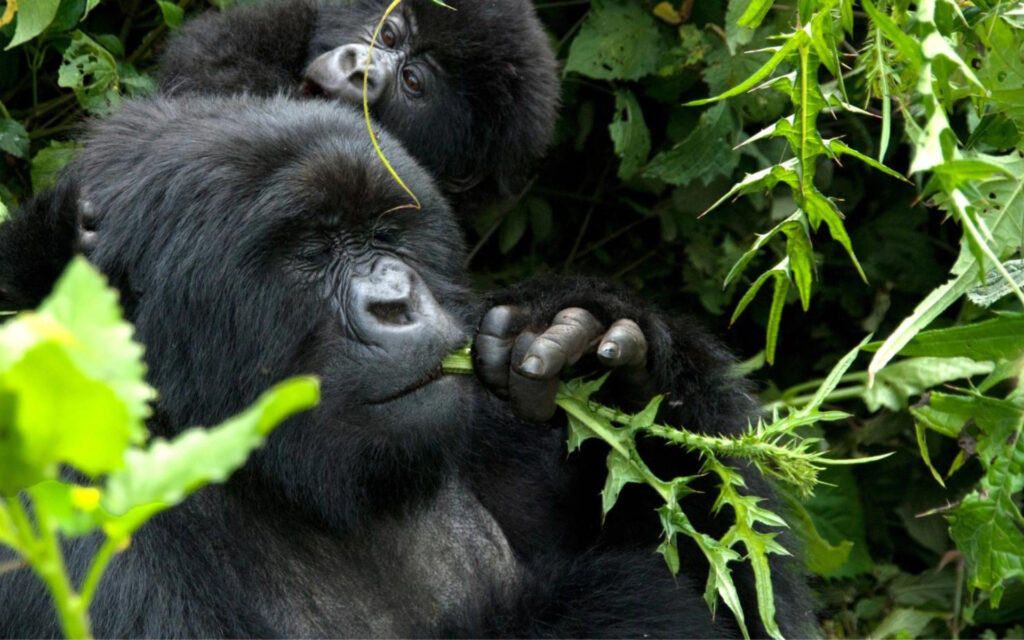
{"x":72,"y":395}
{"x":895,"y":127}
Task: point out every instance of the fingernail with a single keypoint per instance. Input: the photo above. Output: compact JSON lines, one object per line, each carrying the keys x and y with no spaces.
{"x":532,"y":365}
{"x":608,"y":349}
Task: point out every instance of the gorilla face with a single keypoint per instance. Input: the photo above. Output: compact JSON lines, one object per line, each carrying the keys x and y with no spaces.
{"x":460,"y":87}
{"x":471,"y":93}
{"x":244,"y":258}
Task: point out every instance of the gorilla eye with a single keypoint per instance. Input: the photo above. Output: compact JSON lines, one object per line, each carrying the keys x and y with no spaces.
{"x":412,"y":81}
{"x":388,"y":36}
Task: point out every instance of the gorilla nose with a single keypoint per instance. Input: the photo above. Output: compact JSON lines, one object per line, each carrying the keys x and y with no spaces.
{"x":393,"y":305}
{"x":339,"y":74}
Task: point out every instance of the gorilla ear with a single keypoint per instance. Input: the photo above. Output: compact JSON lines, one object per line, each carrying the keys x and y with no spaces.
{"x":36,"y":243}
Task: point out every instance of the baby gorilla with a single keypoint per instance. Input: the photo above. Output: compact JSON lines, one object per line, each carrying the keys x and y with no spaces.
{"x":256,"y":239}
{"x":471,"y":92}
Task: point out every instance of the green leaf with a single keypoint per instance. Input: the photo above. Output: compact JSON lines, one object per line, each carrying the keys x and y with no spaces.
{"x":896,"y":383}
{"x":621,"y":472}
{"x":819,"y":556}
{"x":48,"y":162}
{"x":172,"y":13}
{"x":103,"y":348}
{"x":755,"y":13}
{"x":705,"y":153}
{"x":512,"y":229}
{"x":166,"y":472}
{"x":32,"y":18}
{"x":792,"y":43}
{"x":927,"y":310}
{"x":905,"y":623}
{"x":90,"y":71}
{"x":629,"y":134}
{"x":59,"y":416}
{"x":1001,"y":338}
{"x":619,"y":40}
{"x":987,"y":529}
{"x":13,"y":138}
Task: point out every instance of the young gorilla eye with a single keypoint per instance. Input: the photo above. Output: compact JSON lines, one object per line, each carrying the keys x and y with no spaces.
{"x":388,"y":36}
{"x":412,"y":81}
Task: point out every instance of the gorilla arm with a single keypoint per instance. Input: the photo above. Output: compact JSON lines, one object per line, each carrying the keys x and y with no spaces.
{"x":259,"y":49}
{"x":523,"y":344}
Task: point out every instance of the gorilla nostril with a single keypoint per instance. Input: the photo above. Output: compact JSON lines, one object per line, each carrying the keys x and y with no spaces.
{"x":392,"y":312}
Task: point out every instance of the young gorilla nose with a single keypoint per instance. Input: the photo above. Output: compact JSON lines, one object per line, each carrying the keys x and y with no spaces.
{"x":393,"y":307}
{"x":339,"y":73}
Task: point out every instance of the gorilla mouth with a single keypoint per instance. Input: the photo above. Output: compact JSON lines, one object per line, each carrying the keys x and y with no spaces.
{"x":433,"y":375}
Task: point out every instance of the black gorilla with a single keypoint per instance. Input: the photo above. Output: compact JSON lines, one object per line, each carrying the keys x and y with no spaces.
{"x":255,"y":239}
{"x":471,"y":93}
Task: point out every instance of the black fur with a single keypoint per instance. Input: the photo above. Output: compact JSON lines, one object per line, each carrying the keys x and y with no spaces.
{"x":240,"y":233}
{"x":480,"y":126}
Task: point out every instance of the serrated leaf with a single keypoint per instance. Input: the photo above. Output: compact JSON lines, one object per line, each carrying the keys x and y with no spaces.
{"x":50,"y":394}
{"x":898,"y":382}
{"x":986,"y":530}
{"x":620,"y":473}
{"x":618,"y":41}
{"x":629,"y":134}
{"x":1001,"y":338}
{"x":166,"y":472}
{"x":103,"y":348}
{"x":32,"y":18}
{"x":705,"y":153}
{"x":792,"y":43}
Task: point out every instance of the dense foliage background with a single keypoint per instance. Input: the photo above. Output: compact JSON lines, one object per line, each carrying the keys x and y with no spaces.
{"x":870,"y":157}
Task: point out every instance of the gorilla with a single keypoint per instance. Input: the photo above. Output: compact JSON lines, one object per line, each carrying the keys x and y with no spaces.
{"x":252,"y":239}
{"x":471,"y":93}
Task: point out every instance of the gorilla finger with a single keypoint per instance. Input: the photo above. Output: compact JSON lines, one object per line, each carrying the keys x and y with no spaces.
{"x":623,"y":345}
{"x":571,"y":334}
{"x":530,"y":399}
{"x":492,"y":347}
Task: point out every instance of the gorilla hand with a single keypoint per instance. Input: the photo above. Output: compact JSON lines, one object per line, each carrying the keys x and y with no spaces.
{"x":523,"y":365}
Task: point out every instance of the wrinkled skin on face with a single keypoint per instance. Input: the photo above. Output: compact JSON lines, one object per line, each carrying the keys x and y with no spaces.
{"x":471,"y":92}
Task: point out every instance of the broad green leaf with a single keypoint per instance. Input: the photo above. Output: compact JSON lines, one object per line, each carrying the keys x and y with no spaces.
{"x":32,"y":18}
{"x":103,"y":349}
{"x":737,"y":35}
{"x":905,"y":623}
{"x":48,"y":162}
{"x":619,"y":40}
{"x":58,"y":416}
{"x":836,"y":508}
{"x":60,"y":502}
{"x":898,"y":382}
{"x":987,"y":529}
{"x":927,"y":310}
{"x":818,"y":555}
{"x":173,"y":14}
{"x":629,"y":134}
{"x":90,"y":71}
{"x":13,"y":138}
{"x":1000,"y":68}
{"x":166,"y":472}
{"x":1001,"y":338}
{"x":1000,"y":210}
{"x":705,"y":154}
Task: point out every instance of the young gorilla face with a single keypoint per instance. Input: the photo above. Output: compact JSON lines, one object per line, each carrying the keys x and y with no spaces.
{"x":470,"y":91}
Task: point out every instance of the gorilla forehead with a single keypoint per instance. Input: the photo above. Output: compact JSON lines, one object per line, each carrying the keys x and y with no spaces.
{"x":316,"y":167}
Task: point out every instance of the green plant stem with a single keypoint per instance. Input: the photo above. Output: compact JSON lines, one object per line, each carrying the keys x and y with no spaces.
{"x":43,"y":553}
{"x":99,"y":565}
